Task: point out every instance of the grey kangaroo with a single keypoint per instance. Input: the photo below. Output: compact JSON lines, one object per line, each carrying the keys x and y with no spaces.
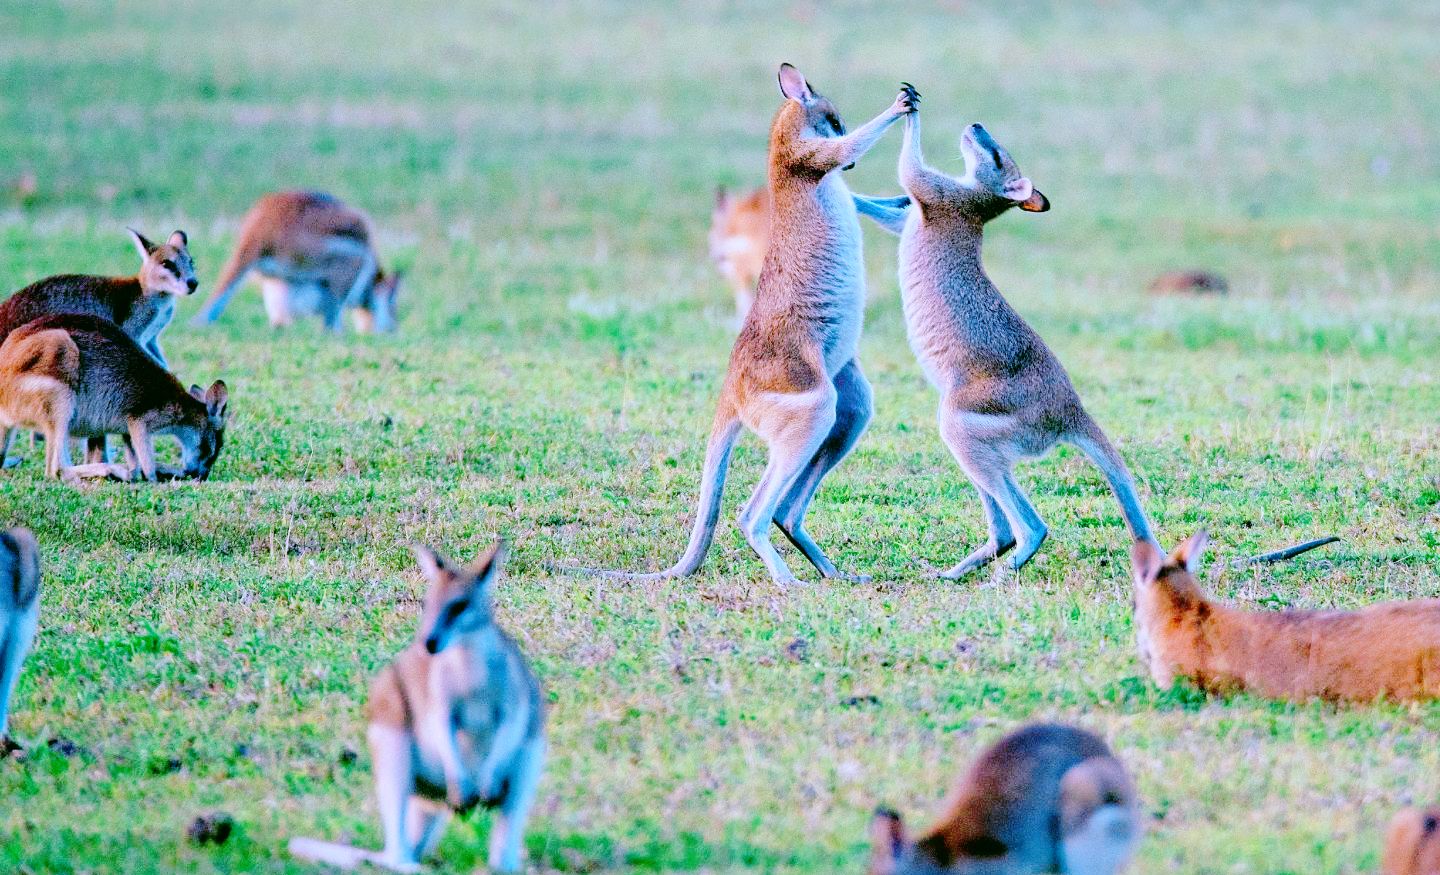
{"x":19,"y":614}
{"x":794,"y":378}
{"x":456,"y":721}
{"x":1003,"y":394}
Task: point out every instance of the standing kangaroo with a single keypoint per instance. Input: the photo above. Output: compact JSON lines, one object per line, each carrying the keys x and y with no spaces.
{"x":314,"y":255}
{"x":1045,"y":798}
{"x":19,"y":614}
{"x":1003,"y":394}
{"x":1390,"y":650}
{"x":456,"y":721}
{"x":1412,"y":844}
{"x":83,"y":376}
{"x":793,"y":377}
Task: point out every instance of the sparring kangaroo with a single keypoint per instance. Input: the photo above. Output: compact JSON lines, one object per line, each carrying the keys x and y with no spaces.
{"x":76,"y":375}
{"x":19,"y":614}
{"x":1390,"y":650}
{"x":1003,"y":394}
{"x":1045,"y":798}
{"x":314,"y":255}
{"x":793,"y":377}
{"x":456,"y":721}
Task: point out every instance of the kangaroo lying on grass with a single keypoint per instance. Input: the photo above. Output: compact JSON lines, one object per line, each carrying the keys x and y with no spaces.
{"x":314,"y":255}
{"x":455,"y":721}
{"x":1412,"y":844}
{"x":1390,"y":650}
{"x":83,"y":376}
{"x":1003,"y":394}
{"x":19,"y":614}
{"x":1045,"y":798}
{"x":793,"y":377}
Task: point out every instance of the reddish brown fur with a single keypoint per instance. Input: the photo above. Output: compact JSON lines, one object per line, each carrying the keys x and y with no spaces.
{"x":739,"y":236}
{"x":1390,"y":650}
{"x":1189,"y":282}
{"x":1412,"y":844}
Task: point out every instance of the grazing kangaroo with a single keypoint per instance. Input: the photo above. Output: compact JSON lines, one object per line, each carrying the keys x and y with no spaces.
{"x":793,"y":377}
{"x":455,"y":721}
{"x":76,"y":375}
{"x":1388,"y":650}
{"x":739,"y":236}
{"x":315,"y":255}
{"x":19,"y":614}
{"x":1412,"y":844}
{"x":1045,"y":798}
{"x":1003,"y":394}
{"x":142,"y":305}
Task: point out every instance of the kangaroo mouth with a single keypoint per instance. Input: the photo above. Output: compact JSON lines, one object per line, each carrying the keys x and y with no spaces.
{"x":850,"y":166}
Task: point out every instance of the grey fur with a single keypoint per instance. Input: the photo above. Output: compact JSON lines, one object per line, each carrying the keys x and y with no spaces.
{"x":19,"y":613}
{"x":1003,"y":394}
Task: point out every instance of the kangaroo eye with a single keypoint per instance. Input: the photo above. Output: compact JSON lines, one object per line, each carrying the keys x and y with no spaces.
{"x":456,"y":608}
{"x":170,"y":266}
{"x":995,"y":154}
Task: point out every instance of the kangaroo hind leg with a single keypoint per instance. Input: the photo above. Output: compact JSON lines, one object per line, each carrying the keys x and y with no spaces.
{"x":1000,"y":542}
{"x":507,"y":828}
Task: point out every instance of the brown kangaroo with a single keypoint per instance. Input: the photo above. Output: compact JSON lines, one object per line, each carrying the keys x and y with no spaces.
{"x":739,"y":236}
{"x":1045,"y":798}
{"x":82,"y":375}
{"x":793,"y":378}
{"x":1388,"y":650}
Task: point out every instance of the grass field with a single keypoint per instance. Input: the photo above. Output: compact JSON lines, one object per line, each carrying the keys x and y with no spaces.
{"x":546,"y":176}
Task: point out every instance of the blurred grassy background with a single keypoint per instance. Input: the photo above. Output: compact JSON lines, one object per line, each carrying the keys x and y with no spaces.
{"x":546,"y":174}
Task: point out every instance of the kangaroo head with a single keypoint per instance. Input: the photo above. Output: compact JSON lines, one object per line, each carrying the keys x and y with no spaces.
{"x":1164,"y":585}
{"x":1412,"y":844}
{"x":818,"y":116}
{"x":166,"y":268}
{"x":376,"y":312}
{"x":994,"y":179}
{"x":201,"y":442}
{"x":459,"y":599}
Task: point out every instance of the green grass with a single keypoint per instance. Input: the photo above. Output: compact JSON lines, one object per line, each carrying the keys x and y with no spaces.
{"x":546,"y":174}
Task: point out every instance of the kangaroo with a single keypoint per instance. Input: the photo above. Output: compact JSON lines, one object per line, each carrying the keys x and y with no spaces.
{"x":1045,"y":798}
{"x":793,"y":377}
{"x":1003,"y":394}
{"x":740,"y":235}
{"x":314,"y":254}
{"x":1412,"y":844}
{"x":142,"y":305}
{"x":19,"y":614}
{"x":1189,"y":282}
{"x":456,"y":721}
{"x":1388,"y":650}
{"x":80,"y":375}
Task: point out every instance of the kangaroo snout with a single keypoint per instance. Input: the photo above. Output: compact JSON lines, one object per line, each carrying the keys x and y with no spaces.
{"x":432,"y":645}
{"x":192,"y":284}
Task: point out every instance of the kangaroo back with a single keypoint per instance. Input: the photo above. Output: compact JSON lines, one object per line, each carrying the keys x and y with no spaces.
{"x":42,"y":352}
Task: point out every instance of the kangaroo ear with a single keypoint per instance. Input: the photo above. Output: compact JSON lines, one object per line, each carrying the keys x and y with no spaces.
{"x":1191,"y":550}
{"x":178,"y":240}
{"x":217,"y":399}
{"x":196,"y":392}
{"x":722,"y":197}
{"x":432,"y":564}
{"x":1146,"y":560}
{"x":887,"y":841}
{"x":143,"y":246}
{"x":487,"y":568}
{"x":793,"y":84}
{"x":1036,"y":202}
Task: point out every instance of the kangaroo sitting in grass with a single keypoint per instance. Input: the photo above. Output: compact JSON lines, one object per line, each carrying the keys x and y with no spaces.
{"x":315,"y":255}
{"x":1412,"y":844}
{"x":83,"y":376}
{"x":1003,"y":394}
{"x":142,"y":305}
{"x":455,"y":721}
{"x":19,"y":614}
{"x":1045,"y":798}
{"x":794,"y":378}
{"x":1390,"y":650}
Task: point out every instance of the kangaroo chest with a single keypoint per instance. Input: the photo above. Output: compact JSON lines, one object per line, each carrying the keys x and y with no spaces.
{"x":149,"y":317}
{"x":478,"y":721}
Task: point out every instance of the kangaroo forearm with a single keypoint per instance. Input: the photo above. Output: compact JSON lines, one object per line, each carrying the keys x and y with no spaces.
{"x":921,"y":182}
{"x":825,"y":154}
{"x":884,"y":211}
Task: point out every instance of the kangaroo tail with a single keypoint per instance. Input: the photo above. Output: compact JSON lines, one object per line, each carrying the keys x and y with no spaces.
{"x":712,"y":486}
{"x":340,"y":856}
{"x":1289,"y":552}
{"x":231,"y":275}
{"x":1094,"y":444}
